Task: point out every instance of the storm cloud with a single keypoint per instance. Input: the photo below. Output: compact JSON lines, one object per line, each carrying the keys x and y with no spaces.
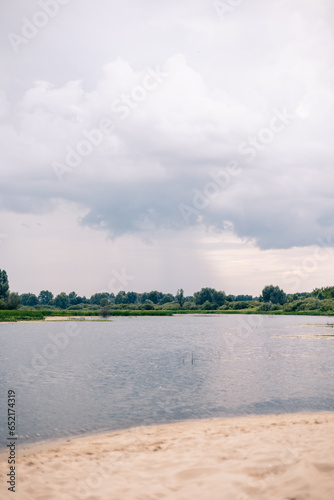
{"x":172,"y":116}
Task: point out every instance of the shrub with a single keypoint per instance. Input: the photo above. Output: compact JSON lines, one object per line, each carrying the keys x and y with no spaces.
{"x":148,"y":306}
{"x":240,"y":305}
{"x":266,"y":306}
{"x":3,"y":304}
{"x":76,"y":307}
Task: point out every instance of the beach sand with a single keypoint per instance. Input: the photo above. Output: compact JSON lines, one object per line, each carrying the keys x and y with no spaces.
{"x":285,"y":457}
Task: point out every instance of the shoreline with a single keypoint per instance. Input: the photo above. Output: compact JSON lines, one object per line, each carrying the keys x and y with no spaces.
{"x":263,"y":457}
{"x":132,"y":314}
{"x":47,"y":444}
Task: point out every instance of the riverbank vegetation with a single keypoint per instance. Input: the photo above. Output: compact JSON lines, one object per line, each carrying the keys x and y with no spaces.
{"x":272,"y":300}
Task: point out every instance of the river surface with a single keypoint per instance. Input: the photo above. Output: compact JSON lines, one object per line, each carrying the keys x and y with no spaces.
{"x":74,"y":378}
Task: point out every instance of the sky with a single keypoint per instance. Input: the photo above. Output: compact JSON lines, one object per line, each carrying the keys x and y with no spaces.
{"x":162,"y":145}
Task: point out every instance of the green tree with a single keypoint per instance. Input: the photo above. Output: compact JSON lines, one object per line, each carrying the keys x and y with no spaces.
{"x":328,"y":292}
{"x":29,"y":299}
{"x":180,"y":297}
{"x":4,"y":285}
{"x":214,"y":297}
{"x":168,"y":297}
{"x":244,"y":297}
{"x":13,"y":301}
{"x":45,"y":297}
{"x":154,"y":296}
{"x":131,"y":297}
{"x":143,"y":297}
{"x":73,"y":298}
{"x":82,"y":300}
{"x":204,"y":295}
{"x":97,"y":297}
{"x":120,"y":298}
{"x":218,"y":298}
{"x":61,"y":300}
{"x":273,"y":294}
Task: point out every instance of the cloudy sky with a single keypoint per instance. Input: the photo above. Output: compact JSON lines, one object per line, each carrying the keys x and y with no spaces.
{"x":164,"y":144}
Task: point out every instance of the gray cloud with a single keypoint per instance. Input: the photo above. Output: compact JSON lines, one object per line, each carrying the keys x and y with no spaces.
{"x":223,"y":81}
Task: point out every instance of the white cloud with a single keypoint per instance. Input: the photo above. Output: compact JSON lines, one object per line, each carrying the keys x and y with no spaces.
{"x":217,"y":85}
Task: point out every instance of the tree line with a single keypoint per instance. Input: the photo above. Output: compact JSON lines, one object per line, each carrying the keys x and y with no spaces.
{"x":206,"y":296}
{"x":272,"y":298}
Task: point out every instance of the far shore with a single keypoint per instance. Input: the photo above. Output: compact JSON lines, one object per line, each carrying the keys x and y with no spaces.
{"x":271,"y":457}
{"x":40,"y":316}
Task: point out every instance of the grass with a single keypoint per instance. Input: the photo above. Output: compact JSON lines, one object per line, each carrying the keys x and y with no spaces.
{"x":26,"y":315}
{"x":141,"y":313}
{"x":113,"y":312}
{"x":279,"y":312}
{"x":18,"y":315}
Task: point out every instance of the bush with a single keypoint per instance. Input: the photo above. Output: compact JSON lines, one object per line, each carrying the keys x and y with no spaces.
{"x":77,"y":307}
{"x":105,"y":311}
{"x":266,"y":306}
{"x":327,"y":305}
{"x":191,"y":306}
{"x":309,"y":304}
{"x":240,"y":305}
{"x":148,"y":306}
{"x":170,"y":305}
{"x":42,"y":307}
{"x":207,"y":306}
{"x":3,"y":304}
{"x":292,"y":306}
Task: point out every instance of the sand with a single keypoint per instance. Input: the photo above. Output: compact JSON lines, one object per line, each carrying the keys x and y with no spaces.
{"x":286,"y":457}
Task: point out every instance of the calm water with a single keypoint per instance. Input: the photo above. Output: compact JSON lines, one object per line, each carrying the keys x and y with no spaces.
{"x":80,"y":377}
